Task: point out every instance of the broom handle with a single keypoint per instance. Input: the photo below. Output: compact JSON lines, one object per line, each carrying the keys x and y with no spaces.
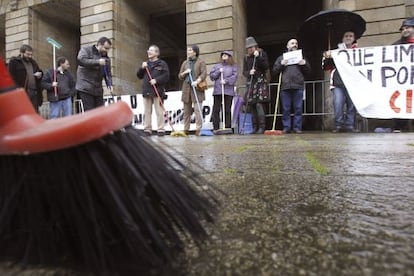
{"x":277,"y":100}
{"x":160,"y":100}
{"x":248,"y":91}
{"x":222,"y":100}
{"x":195,"y":95}
{"x":54,"y":69}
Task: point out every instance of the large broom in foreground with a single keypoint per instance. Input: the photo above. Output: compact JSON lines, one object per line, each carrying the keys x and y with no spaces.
{"x":78,"y":192}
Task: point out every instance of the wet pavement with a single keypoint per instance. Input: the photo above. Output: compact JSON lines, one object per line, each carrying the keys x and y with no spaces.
{"x":305,"y":204}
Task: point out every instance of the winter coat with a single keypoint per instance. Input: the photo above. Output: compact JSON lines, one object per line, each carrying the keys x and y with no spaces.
{"x":293,"y":76}
{"x":261,"y":65}
{"x":200,"y":71}
{"x":19,"y":74}
{"x":90,"y":74}
{"x":229,"y":75}
{"x":65,"y":88}
{"x":160,"y":72}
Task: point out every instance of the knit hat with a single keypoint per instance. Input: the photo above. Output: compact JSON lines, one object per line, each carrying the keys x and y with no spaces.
{"x":227,"y":52}
{"x":196,"y":49}
{"x":250,"y":42}
{"x":409,"y":22}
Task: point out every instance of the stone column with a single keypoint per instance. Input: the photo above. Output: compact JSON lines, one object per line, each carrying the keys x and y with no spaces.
{"x":17,"y":30}
{"x":97,"y":20}
{"x":216,"y":26}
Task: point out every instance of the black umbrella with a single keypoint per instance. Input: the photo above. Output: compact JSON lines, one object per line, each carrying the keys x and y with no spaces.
{"x":327,"y":27}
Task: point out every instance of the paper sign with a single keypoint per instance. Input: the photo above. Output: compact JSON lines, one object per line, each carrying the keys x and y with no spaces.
{"x":293,"y":57}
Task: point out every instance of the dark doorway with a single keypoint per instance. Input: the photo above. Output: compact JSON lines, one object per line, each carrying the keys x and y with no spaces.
{"x":168,"y":31}
{"x":272,"y":24}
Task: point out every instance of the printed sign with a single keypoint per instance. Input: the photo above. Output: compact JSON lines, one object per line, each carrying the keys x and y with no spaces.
{"x":379,"y":80}
{"x":173,"y":106}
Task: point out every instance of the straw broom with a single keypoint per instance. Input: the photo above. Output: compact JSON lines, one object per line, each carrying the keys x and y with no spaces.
{"x":88,"y":192}
{"x":273,"y":131}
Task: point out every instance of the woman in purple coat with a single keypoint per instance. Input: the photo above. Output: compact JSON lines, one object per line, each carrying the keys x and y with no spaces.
{"x":224,"y":75}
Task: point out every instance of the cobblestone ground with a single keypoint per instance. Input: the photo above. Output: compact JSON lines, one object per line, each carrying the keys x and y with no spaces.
{"x":309,"y":204}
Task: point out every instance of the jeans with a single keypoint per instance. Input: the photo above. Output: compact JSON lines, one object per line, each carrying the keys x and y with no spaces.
{"x":292,"y":98}
{"x":217,"y":106}
{"x":340,"y":98}
{"x":63,"y":105}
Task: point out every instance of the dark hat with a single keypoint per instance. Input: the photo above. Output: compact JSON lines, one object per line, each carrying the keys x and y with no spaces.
{"x":227,"y":52}
{"x":250,"y":42}
{"x":407,"y":23}
{"x":196,"y":49}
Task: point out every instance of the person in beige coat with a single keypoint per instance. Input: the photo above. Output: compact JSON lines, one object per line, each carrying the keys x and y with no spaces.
{"x":194,"y":65}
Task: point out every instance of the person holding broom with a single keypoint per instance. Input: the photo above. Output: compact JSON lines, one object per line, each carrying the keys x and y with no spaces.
{"x":197,"y":68}
{"x":224,"y":75}
{"x":292,"y":87}
{"x":255,"y":66}
{"x":158,"y":76}
{"x":60,"y":86}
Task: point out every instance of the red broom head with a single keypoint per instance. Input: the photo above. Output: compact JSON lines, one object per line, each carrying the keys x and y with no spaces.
{"x":22,"y":130}
{"x":6,"y":81}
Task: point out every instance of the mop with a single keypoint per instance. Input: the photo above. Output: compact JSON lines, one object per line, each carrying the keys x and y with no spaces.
{"x":224,"y":130}
{"x":203,"y":132}
{"x":173,"y":132}
{"x":273,"y":131}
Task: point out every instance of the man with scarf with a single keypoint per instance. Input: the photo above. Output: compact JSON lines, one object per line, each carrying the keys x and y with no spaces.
{"x":153,"y":87}
{"x":26,"y":73}
{"x":197,"y":68}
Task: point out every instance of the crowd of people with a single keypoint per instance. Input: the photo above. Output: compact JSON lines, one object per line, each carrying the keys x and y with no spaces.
{"x":94,"y":66}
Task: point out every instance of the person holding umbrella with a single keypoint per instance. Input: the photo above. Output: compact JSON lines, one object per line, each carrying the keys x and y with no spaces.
{"x":407,"y":37}
{"x":340,"y":94}
{"x":158,"y":76}
{"x":254,"y":69}
{"x":224,"y":75}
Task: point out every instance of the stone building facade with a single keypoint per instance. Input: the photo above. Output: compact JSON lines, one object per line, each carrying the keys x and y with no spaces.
{"x":214,"y":25}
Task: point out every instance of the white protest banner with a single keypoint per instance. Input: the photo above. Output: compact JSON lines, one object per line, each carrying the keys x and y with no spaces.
{"x":174,"y":107}
{"x":379,"y":79}
{"x":293,"y":57}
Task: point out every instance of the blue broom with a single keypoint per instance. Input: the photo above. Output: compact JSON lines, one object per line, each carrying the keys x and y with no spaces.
{"x":203,"y":132}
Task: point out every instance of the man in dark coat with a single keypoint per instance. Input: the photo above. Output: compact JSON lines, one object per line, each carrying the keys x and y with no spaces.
{"x":94,"y":65}
{"x":160,"y":75}
{"x":60,"y":86}
{"x":292,"y":87}
{"x":26,"y":73}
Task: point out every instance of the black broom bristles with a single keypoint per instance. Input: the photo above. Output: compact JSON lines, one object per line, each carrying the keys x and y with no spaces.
{"x":112,"y":203}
